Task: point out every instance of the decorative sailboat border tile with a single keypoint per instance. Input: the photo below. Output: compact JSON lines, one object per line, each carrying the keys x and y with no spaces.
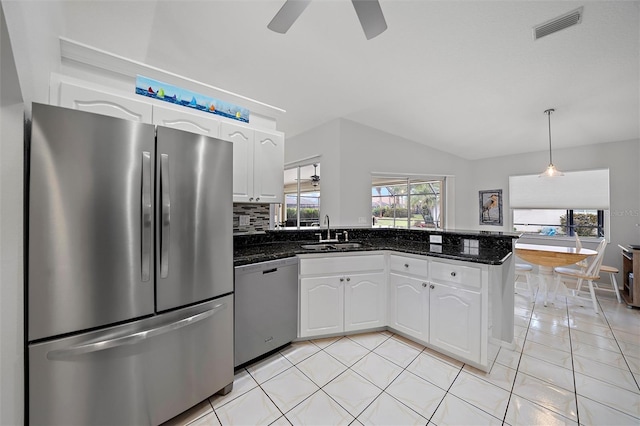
{"x":166,"y":92}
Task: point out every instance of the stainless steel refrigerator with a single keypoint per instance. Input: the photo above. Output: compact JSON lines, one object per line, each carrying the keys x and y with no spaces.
{"x":130,"y":269}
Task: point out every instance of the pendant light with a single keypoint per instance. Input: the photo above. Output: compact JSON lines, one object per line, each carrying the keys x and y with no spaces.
{"x":551,"y":170}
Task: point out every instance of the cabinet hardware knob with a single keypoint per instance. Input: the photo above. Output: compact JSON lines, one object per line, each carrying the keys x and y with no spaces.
{"x":258,"y":199}
{"x":251,"y":199}
{"x":453,"y":274}
{"x":348,"y":279}
{"x":432,"y":286}
{"x":406,"y":265}
{"x":341,"y":279}
{"x":424,"y":284}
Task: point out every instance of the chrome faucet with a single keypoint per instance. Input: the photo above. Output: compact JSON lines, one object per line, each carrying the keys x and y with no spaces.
{"x":327,"y":221}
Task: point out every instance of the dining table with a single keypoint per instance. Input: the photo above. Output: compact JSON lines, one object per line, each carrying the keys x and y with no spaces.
{"x":547,"y":257}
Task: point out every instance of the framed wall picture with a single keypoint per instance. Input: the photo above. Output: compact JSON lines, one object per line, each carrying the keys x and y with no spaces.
{"x":491,"y":207}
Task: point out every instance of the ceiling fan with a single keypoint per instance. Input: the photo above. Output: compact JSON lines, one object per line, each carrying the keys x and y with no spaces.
{"x":314,"y":178}
{"x":368,"y":11}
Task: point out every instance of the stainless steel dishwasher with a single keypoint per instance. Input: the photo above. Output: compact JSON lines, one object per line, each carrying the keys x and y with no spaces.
{"x":266,"y":307}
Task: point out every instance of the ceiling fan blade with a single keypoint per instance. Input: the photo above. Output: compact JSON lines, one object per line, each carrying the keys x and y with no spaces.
{"x":371,"y":18}
{"x":287,"y":15}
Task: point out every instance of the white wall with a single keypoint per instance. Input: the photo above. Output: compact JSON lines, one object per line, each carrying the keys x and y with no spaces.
{"x":29,"y":23}
{"x":620,"y":157}
{"x":11,"y":241}
{"x":351,"y":152}
{"x":321,"y":141}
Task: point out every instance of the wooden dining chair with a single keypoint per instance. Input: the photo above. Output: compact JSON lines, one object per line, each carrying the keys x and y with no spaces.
{"x":578,"y":276}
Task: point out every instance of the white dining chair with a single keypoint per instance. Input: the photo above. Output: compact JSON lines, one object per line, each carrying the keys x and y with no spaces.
{"x":578,"y":276}
{"x":523,"y":276}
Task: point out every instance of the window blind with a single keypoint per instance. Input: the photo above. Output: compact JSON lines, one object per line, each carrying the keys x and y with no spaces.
{"x":587,"y":189}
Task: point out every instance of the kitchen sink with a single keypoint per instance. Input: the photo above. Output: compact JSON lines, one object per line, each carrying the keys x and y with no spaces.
{"x":331,"y":246}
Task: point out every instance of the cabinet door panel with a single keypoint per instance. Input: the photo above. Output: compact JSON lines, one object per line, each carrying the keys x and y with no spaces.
{"x":409,"y":306}
{"x":268,"y":184}
{"x":187,"y":121}
{"x":365,"y":301}
{"x":242,"y":138}
{"x":455,"y":319}
{"x":321,"y":306}
{"x":104,"y":103}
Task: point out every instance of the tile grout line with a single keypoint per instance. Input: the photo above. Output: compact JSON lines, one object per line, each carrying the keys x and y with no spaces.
{"x":513,"y":385}
{"x":570,"y":332}
{"x":618,"y":344}
{"x":573,"y":366}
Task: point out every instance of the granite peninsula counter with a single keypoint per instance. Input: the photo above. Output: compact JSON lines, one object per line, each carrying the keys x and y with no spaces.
{"x":449,"y":290}
{"x":493,"y":248}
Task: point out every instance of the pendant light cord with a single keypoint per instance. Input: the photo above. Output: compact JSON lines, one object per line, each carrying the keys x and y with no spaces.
{"x":548,"y":112}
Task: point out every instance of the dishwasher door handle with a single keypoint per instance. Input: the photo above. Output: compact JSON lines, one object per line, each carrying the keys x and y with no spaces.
{"x":268,"y":271}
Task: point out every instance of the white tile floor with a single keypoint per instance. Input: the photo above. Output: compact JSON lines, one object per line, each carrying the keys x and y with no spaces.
{"x":571,"y":366}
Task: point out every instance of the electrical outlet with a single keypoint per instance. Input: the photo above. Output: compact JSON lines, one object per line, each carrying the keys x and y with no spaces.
{"x":244,"y":220}
{"x":362,"y":219}
{"x":435,"y":239}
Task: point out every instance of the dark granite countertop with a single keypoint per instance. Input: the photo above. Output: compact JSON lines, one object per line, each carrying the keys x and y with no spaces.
{"x":494,"y":248}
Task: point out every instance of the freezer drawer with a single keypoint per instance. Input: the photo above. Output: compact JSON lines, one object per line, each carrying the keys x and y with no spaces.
{"x":266,"y":311}
{"x":135,"y":374}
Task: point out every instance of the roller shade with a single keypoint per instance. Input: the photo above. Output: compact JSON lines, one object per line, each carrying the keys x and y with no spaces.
{"x":588,"y":189}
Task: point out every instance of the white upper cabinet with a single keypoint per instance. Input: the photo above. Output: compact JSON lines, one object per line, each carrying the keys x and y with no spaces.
{"x":258,"y":163}
{"x":258,"y":155}
{"x":104,"y":103}
{"x":242,"y":138}
{"x":268,"y":160}
{"x":183,"y":119}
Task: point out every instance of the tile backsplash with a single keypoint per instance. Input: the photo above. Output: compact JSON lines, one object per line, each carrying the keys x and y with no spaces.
{"x":258,"y":215}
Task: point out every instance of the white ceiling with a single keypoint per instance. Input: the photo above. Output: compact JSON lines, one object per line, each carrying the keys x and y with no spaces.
{"x":465,"y":77}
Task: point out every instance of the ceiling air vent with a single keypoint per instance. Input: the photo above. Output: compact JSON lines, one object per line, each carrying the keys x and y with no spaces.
{"x":556,"y":24}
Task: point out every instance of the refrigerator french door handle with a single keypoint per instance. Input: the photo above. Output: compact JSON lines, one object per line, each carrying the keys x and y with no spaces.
{"x":166,"y":215}
{"x":146,"y":216}
{"x":134,"y":338}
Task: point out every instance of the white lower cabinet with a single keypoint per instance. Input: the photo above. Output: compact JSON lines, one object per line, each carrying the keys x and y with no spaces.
{"x":321,"y":306}
{"x":365,"y":304}
{"x":409,"y":306}
{"x":343,"y":293}
{"x":455,"y":320}
{"x":441,"y":303}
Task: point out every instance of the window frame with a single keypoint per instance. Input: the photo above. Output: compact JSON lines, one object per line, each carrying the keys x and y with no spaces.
{"x":602,"y":224}
{"x":299,"y":193}
{"x":408,"y":181}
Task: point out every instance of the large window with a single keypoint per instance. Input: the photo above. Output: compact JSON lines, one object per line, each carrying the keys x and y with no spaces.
{"x":557,"y":222}
{"x":406,"y":202}
{"x":302,"y":197}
